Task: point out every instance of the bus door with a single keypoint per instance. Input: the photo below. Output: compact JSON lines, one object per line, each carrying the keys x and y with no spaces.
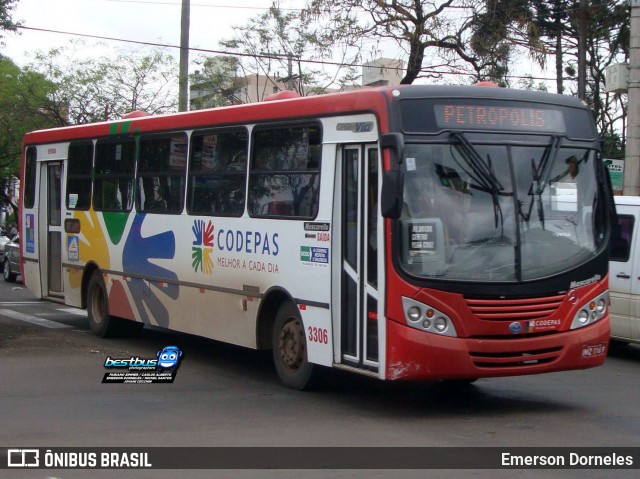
{"x":50,"y":224}
{"x":356,"y":211}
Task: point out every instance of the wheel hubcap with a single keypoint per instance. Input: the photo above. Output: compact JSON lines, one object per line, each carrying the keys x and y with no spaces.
{"x":292,"y":344}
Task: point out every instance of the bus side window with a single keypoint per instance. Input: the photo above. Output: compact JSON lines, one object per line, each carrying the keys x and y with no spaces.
{"x":217,"y":173}
{"x":113,"y":175}
{"x":161,"y":174}
{"x":79,"y":169}
{"x":284,"y":179}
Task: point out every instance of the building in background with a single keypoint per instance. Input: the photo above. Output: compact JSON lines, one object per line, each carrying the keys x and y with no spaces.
{"x":220,"y":84}
{"x":382,"y":72}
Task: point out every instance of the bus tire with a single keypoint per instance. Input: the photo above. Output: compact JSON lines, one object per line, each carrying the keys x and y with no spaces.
{"x":101,"y":323}
{"x":290,"y":349}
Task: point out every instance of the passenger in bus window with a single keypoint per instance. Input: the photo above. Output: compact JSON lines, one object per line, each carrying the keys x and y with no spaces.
{"x":570,"y":173}
{"x":238,"y":162}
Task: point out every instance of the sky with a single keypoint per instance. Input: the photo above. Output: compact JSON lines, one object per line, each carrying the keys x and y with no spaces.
{"x":155,"y":21}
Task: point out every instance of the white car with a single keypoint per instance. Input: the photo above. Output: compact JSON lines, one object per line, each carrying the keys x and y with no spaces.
{"x":11,"y":260}
{"x":3,"y":241}
{"x":624,"y":271}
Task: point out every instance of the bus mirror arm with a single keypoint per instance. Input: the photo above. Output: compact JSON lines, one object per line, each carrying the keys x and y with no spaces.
{"x":393,"y":180}
{"x":395,"y":141}
{"x":392,"y":194}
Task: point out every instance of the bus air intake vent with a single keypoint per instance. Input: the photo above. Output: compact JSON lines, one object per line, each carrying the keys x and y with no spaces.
{"x":514,"y":309}
{"x":515,"y":358}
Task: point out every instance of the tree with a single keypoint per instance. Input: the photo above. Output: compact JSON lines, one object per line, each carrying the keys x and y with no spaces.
{"x":104,"y":88}
{"x":22,"y":94}
{"x":216,"y":83}
{"x":6,"y":22}
{"x":434,"y":36}
{"x":607,"y":43}
{"x":503,"y":28}
{"x":288,"y":47}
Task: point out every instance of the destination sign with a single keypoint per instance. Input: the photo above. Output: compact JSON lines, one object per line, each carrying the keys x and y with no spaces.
{"x":489,"y":117}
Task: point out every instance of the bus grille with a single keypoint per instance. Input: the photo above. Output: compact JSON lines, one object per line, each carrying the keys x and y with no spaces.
{"x":514,"y":309}
{"x":515,"y":358}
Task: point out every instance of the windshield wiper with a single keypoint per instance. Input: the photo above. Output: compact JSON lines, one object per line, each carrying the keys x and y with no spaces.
{"x":540,"y":174}
{"x":481,"y":172}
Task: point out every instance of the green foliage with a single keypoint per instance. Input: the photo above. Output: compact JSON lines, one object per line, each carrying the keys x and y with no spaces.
{"x":22,"y":96}
{"x":6,"y":22}
{"x":273,"y":39}
{"x":612,"y":146}
{"x":417,"y":27}
{"x":215,"y":83}
{"x":105,"y":88}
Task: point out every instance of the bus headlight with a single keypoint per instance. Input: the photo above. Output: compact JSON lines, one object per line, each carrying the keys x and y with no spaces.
{"x":426,"y":318}
{"x":414,"y":313}
{"x":592,"y":311}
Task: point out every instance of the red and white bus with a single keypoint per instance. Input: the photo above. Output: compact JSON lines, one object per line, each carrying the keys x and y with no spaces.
{"x":415,"y":232}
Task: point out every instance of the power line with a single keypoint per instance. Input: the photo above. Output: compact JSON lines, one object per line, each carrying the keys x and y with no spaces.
{"x":195,"y":49}
{"x":205,"y":5}
{"x":250,"y":55}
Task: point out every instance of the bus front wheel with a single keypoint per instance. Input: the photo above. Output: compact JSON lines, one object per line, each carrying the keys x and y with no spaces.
{"x":290,"y":349}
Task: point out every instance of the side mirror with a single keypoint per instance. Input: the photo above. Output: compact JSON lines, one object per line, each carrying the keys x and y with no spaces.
{"x":395,"y":141}
{"x":393,"y":180}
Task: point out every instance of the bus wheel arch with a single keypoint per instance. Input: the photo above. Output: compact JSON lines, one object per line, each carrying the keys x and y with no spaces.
{"x":89,"y":270}
{"x":270,"y":303}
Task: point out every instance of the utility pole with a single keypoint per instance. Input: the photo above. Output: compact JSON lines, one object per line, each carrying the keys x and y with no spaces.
{"x":290,"y":57}
{"x":183,"y":79}
{"x":631,"y":182}
{"x":582,"y":50}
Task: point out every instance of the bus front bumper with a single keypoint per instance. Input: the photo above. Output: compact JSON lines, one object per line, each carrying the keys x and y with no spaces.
{"x":417,"y":355}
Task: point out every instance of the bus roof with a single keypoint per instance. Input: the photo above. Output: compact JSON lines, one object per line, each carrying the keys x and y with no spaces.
{"x":376,"y":100}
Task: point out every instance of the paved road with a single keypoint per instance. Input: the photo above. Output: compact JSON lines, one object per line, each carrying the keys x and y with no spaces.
{"x":51,"y":395}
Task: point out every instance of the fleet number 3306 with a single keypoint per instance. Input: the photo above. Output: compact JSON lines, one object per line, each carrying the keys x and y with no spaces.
{"x":318,"y":335}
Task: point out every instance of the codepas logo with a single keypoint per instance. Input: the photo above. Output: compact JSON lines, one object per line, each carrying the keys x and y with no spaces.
{"x":202,"y":246}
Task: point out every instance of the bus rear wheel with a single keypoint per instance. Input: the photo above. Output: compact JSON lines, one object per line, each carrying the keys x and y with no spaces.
{"x":290,"y":349}
{"x":100,"y":321}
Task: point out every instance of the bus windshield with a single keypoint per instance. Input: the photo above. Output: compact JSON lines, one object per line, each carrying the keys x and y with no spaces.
{"x":499,"y":211}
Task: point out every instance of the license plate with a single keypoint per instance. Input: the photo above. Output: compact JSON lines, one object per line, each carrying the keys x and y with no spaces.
{"x":591,"y":350}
